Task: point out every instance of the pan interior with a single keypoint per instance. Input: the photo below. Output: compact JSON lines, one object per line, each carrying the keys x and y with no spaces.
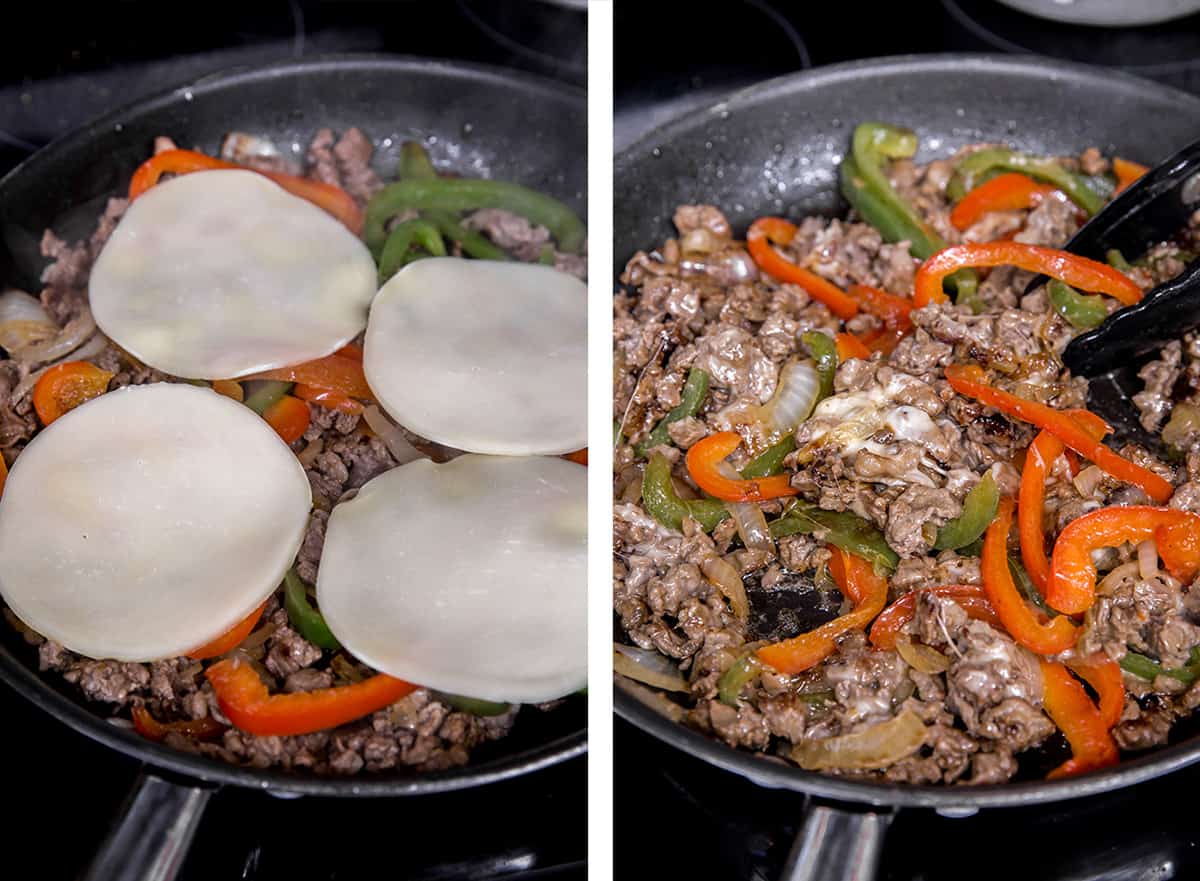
{"x":474,"y":120}
{"x":775,"y":149}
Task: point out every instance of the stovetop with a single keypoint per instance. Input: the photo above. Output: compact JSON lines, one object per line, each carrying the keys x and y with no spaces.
{"x":676,"y":816}
{"x":60,"y":69}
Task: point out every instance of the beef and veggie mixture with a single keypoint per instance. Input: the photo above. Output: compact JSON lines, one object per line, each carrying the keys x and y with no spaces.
{"x":279,"y":689}
{"x":862,"y":519}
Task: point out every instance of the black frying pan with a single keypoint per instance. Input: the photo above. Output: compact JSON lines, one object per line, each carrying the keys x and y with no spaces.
{"x":774,"y":149}
{"x":485,"y":122}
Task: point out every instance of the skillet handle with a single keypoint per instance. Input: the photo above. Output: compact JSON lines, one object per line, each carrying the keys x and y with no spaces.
{"x":837,"y":845}
{"x":151,"y":838}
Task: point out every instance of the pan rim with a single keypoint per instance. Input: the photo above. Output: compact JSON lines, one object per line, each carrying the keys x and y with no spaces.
{"x":756,"y":767}
{"x":202,"y":770}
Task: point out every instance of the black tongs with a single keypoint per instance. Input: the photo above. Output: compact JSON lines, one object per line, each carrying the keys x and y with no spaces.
{"x":1152,"y":210}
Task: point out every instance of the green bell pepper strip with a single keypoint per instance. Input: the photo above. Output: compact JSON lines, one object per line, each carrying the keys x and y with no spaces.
{"x":969,"y":171}
{"x":546,"y":255}
{"x":308,"y":622}
{"x":691,"y":398}
{"x":733,"y":680}
{"x":1025,"y":584}
{"x":262,"y":393}
{"x":870,"y":193}
{"x":1082,"y":311}
{"x":979,"y":510}
{"x":770,"y":461}
{"x":1145,"y":668}
{"x":1117,"y":260}
{"x":824,"y":351}
{"x":472,"y":242}
{"x":664,"y":505}
{"x":473,"y":705}
{"x":415,"y":163}
{"x":841,"y":529}
{"x":459,"y":195}
{"x":396,"y":251}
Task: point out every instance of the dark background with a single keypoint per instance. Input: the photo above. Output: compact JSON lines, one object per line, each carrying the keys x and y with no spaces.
{"x":64,"y":64}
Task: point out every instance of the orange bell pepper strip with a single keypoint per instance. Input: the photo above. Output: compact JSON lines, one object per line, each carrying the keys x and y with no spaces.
{"x":767,"y":230}
{"x":1104,"y":675}
{"x":336,"y":372}
{"x":1032,"y":498}
{"x":231,"y":638}
{"x":971,"y":597}
{"x":333,"y":200}
{"x":849,"y":346}
{"x":1023,"y":623}
{"x":857,"y":579}
{"x":229,"y":388}
{"x":892,"y":309}
{"x":65,"y":386}
{"x":579,"y":457}
{"x":969,"y":380}
{"x":326,"y":398}
{"x":1071,"y":585}
{"x":703,"y":464}
{"x":289,"y":417}
{"x":1179,"y":546}
{"x":1069,"y":706}
{"x":3,"y":474}
{"x":150,"y":728}
{"x":1078,"y":272}
{"x":1127,"y":172}
{"x":243,"y":698}
{"x":1007,"y":192}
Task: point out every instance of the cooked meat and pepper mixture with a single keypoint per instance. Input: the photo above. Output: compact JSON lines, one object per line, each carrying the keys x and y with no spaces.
{"x":862,"y":518}
{"x":54,"y":358}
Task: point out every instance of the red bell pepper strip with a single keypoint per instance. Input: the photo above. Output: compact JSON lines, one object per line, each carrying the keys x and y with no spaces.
{"x":231,"y":638}
{"x":849,"y":346}
{"x":1022,"y":622}
{"x":970,"y":597}
{"x":704,"y":459}
{"x":1104,"y":675}
{"x":970,"y":380}
{"x":759,"y":238}
{"x":1066,"y":702}
{"x":289,"y":417}
{"x":243,"y":698}
{"x":1007,"y":192}
{"x":1031,"y":501}
{"x":3,"y":474}
{"x":150,"y":728}
{"x":1071,"y":585}
{"x":892,"y":309}
{"x":857,"y":579}
{"x":579,"y":457}
{"x":336,"y":372}
{"x":326,"y":398}
{"x":1179,"y":547}
{"x":333,"y":200}
{"x":1127,"y":172}
{"x":1078,"y":272}
{"x":65,"y":386}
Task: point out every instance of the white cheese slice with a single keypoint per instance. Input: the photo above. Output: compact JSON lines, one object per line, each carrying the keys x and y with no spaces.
{"x":147,"y":522}
{"x":468,"y":577}
{"x":221,"y":274}
{"x":484,"y":356}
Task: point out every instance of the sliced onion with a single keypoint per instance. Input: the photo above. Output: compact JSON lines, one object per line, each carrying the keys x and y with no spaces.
{"x":749,"y":518}
{"x":720,"y":572}
{"x":398,"y":445}
{"x":309,"y":454}
{"x":875,"y":747}
{"x":23,"y":322}
{"x":919,"y":656}
{"x":1087,"y":480}
{"x":74,"y":334}
{"x":655,"y":700}
{"x":648,"y":667}
{"x":91,"y":349}
{"x":700,"y":241}
{"x":1119,"y":575}
{"x":1147,"y":559}
{"x":794,"y":398}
